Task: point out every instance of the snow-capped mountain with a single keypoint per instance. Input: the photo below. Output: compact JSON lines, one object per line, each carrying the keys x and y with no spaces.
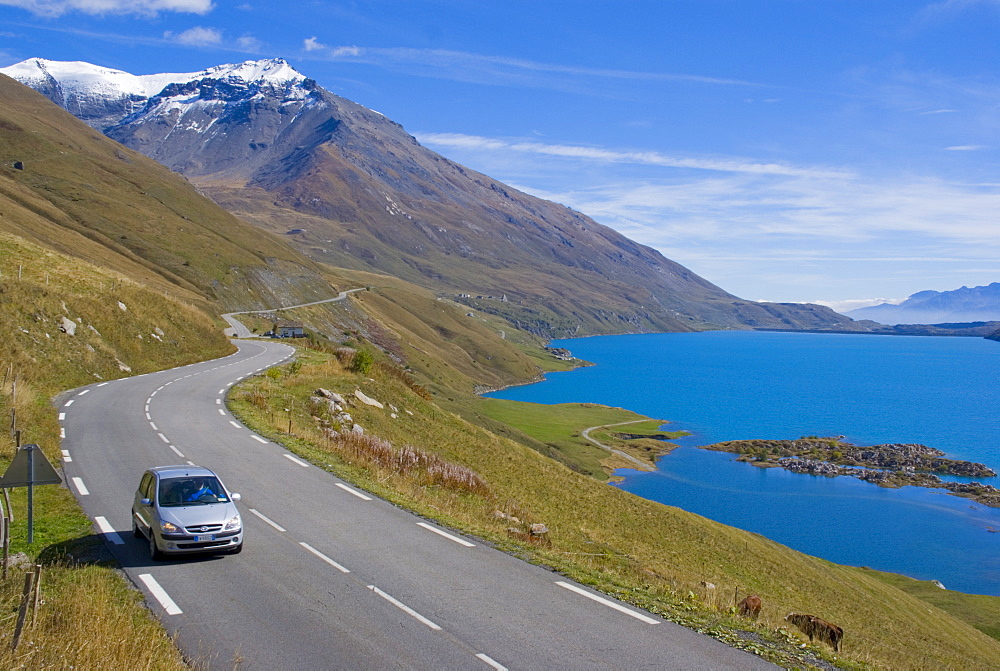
{"x":355,"y":190}
{"x":103,"y":97}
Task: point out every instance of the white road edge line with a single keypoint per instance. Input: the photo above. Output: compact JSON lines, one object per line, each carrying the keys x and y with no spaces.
{"x":222,"y":412}
{"x":160,"y":594}
{"x":62,"y":416}
{"x":66,"y":456}
{"x":324,"y":558}
{"x":80,"y":487}
{"x":259,"y":439}
{"x":354,"y":491}
{"x":235,"y":424}
{"x":608,"y":602}
{"x":108,"y":530}
{"x":68,"y":403}
{"x":447,"y":535}
{"x":153,"y":425}
{"x":269,"y":521}
{"x":297,"y":461}
{"x":492,"y":662}
{"x":85,"y":391}
{"x":403,"y":607}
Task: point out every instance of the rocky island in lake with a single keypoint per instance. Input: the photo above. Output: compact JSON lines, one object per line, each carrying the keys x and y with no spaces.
{"x":889,"y":465}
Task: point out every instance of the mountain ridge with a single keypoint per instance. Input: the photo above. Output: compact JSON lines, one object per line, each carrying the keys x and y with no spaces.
{"x":966,"y":304}
{"x":376,"y":200}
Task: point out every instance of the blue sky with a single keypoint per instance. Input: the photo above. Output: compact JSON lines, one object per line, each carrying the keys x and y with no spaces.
{"x":787,"y":150}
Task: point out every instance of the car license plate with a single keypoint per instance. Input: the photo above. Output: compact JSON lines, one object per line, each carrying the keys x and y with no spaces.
{"x":204,"y":538}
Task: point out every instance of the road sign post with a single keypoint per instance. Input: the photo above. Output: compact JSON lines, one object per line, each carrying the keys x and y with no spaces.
{"x":30,"y":468}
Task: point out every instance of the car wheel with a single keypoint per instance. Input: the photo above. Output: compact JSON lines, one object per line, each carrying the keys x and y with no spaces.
{"x":136,"y":531}
{"x":154,"y":552}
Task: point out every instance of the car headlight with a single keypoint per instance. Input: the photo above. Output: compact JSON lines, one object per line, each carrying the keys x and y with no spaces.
{"x":169,"y":527}
{"x":233,"y":524}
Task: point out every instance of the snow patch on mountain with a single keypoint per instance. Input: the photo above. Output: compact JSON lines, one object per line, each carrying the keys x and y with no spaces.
{"x":104,"y":97}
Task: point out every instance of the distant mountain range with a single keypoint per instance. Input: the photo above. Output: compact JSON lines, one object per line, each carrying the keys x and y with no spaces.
{"x":976,"y":304}
{"x":351,"y":188}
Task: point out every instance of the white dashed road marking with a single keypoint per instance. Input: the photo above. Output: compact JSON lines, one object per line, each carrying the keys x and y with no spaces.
{"x":354,"y":491}
{"x":80,"y":487}
{"x":403,"y":607}
{"x":297,"y":461}
{"x":447,"y":535}
{"x":177,"y":452}
{"x":268,"y":520}
{"x":492,"y":662}
{"x":160,"y":594}
{"x":66,"y":456}
{"x":324,"y":558}
{"x":259,"y":439}
{"x":108,"y":531}
{"x":608,"y":603}
{"x":236,"y":424}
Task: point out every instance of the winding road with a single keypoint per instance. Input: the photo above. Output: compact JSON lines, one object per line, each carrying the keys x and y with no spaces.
{"x":238,"y":330}
{"x":332,"y":577}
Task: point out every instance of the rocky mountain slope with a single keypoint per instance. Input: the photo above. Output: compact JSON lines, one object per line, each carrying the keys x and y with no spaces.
{"x":72,"y":190}
{"x":351,"y":188}
{"x":976,"y":304}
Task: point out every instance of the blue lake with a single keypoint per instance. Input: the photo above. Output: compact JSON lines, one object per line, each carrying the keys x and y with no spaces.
{"x":731,"y":385}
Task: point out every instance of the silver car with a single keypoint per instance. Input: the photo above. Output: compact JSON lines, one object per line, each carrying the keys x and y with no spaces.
{"x":186,"y":509}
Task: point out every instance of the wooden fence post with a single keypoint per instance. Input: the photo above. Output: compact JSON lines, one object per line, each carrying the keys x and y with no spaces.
{"x":22,"y":612}
{"x":37,"y":587}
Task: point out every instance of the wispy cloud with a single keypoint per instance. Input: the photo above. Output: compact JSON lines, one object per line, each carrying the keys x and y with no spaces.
{"x":736,"y":165}
{"x":54,"y":8}
{"x":482,"y":68}
{"x":199,"y":37}
{"x":966,"y":147}
{"x":743,"y":222}
{"x":195,"y":37}
{"x":856,"y":303}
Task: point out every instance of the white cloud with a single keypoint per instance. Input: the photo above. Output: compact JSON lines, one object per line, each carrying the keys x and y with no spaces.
{"x":313,"y":44}
{"x":481,"y":68}
{"x":196,"y":37}
{"x":788,"y":232}
{"x":652,"y":158}
{"x":966,"y":147}
{"x":52,"y":8}
{"x":249,"y":43}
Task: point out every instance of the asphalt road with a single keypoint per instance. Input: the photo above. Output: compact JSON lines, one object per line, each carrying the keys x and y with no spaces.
{"x":331,"y":577}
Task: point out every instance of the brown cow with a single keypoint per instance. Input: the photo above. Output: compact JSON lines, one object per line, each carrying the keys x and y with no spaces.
{"x":749,"y":607}
{"x":816,"y":627}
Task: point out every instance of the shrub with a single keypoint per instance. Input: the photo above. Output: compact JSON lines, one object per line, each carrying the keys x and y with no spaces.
{"x":363,"y":362}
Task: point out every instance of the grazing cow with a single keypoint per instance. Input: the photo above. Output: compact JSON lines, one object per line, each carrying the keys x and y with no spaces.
{"x":816,"y":627}
{"x":750,"y":607}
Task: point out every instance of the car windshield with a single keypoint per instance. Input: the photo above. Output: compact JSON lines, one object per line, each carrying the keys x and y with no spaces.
{"x":191,"y":491}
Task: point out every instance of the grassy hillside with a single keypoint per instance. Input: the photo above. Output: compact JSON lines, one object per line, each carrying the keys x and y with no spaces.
{"x":84,"y":195}
{"x":647,"y":553}
{"x":66,"y":323}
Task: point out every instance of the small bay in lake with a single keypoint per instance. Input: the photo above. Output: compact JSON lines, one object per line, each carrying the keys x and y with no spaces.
{"x":730,"y":385}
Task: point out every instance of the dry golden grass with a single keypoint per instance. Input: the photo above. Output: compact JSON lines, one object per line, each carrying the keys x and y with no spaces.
{"x":89,"y":618}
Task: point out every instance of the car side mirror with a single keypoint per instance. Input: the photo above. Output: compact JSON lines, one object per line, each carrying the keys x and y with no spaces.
{"x":235,"y":496}
{"x":146,"y":502}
